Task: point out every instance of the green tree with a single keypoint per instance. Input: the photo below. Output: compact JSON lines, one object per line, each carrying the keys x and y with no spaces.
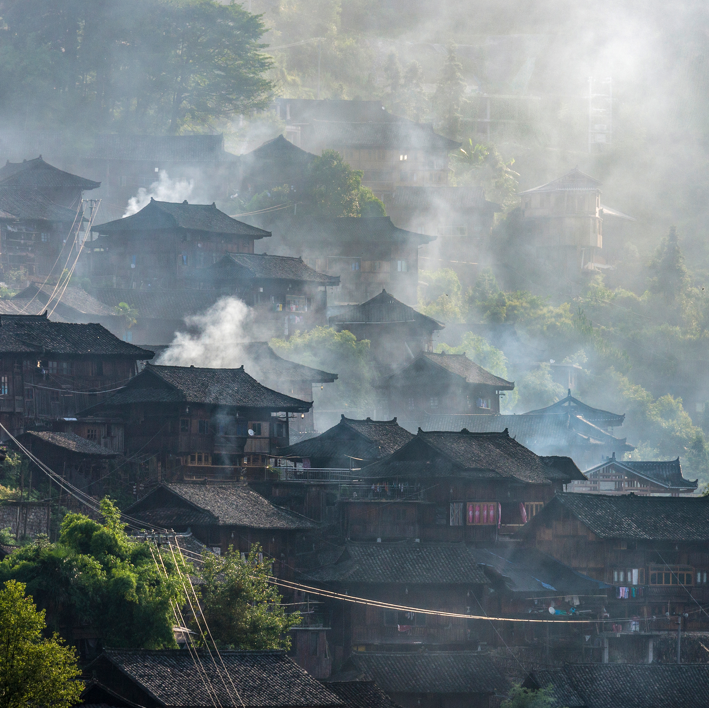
{"x":449,"y":96}
{"x":440,"y":295}
{"x":98,"y":576}
{"x":526,"y":698}
{"x":127,"y":312}
{"x":34,"y":670}
{"x":241,"y":606}
{"x":413,"y":102}
{"x":668,"y":273}
{"x":337,"y":189}
{"x":482,"y":165}
{"x":341,"y":353}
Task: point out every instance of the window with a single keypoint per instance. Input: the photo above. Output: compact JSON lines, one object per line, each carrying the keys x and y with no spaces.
{"x":53,"y":367}
{"x":256,"y":427}
{"x":403,"y":158}
{"x":199,"y":458}
{"x":401,"y":267}
{"x":456,"y":513}
{"x":676,"y":575}
{"x":92,"y":434}
{"x":354,"y":265}
{"x":45,"y":237}
{"x":629,"y":576}
{"x":279,"y":430}
{"x":701,"y":577}
{"x":433,"y":401}
{"x":484,"y":403}
{"x":184,"y":425}
{"x":411,"y":402}
{"x":482,"y":513}
{"x":3,"y":385}
{"x":204,"y":427}
{"x":128,"y":336}
{"x":242,"y":428}
{"x":533,"y":508}
{"x":65,"y":368}
{"x":185,"y":259}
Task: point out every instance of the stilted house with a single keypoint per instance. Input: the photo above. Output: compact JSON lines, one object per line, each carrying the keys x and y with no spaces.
{"x":397,"y":333}
{"x":52,"y":370}
{"x":202,"y":423}
{"x":442,"y":383}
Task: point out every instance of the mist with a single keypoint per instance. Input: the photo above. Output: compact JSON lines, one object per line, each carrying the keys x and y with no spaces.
{"x":163,"y":189}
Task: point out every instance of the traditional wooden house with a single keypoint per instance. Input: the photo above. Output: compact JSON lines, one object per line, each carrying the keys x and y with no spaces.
{"x":552,"y":434}
{"x":442,"y":383}
{"x":171,"y":678}
{"x":202,"y":423}
{"x":451,"y":487}
{"x":657,"y":477}
{"x":52,"y":370}
{"x":397,"y":333}
{"x":432,"y":679}
{"x":349,"y":444}
{"x":623,"y":684}
{"x":652,"y":550}
{"x":223,"y":515}
{"x":391,"y":151}
{"x":367,"y":253}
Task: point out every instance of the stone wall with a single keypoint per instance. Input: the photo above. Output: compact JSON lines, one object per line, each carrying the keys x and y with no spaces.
{"x":27,"y":518}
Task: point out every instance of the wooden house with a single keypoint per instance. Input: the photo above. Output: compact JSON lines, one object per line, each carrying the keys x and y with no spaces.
{"x":451,"y":487}
{"x":653,"y":477}
{"x":390,"y":150}
{"x":52,"y":370}
{"x":652,"y":550}
{"x":171,"y":678}
{"x":442,"y":383}
{"x":202,"y":423}
{"x":349,"y":444}
{"x":223,"y":515}
{"x":397,"y":333}
{"x":623,"y":684}
{"x":432,"y":679}
{"x":367,"y":253}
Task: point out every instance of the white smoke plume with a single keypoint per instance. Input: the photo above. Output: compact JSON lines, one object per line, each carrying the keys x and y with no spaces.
{"x":163,"y":190}
{"x":215,"y":337}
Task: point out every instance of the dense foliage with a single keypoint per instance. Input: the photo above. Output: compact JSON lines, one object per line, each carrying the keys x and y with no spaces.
{"x":34,"y":670}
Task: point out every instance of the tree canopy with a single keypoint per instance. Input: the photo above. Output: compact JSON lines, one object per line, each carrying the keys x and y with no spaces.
{"x":34,"y":670}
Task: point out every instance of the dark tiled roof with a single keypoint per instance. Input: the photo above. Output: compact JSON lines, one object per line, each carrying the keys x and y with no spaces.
{"x":172,"y":148}
{"x":406,"y":562}
{"x":278,"y":150}
{"x":160,"y":304}
{"x":265,"y":365}
{"x":226,"y":504}
{"x":347,"y":230}
{"x":32,"y":205}
{"x":468,"y":370}
{"x":472,"y":455}
{"x":360,"y":694}
{"x":572,"y":406}
{"x":638,"y":517}
{"x":27,"y":306}
{"x":572,"y":181}
{"x":38,"y":174}
{"x":359,"y":439}
{"x":171,"y":216}
{"x":665,"y":473}
{"x":72,"y":443}
{"x":35,"y":333}
{"x":384,"y":308}
{"x":556,"y":431}
{"x":627,"y":685}
{"x":431,"y":671}
{"x":261,"y":265}
{"x":189,"y":384}
{"x":262,"y":678}
{"x":75,"y":298}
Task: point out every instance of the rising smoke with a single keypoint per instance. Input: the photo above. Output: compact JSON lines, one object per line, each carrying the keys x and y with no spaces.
{"x":163,"y":190}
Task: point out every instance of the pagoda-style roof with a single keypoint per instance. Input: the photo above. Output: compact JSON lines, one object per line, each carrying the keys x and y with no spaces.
{"x":171,"y":216}
{"x":572,"y":181}
{"x":573,"y":407}
{"x":384,"y":309}
{"x":457,"y":367}
{"x":38,"y":174}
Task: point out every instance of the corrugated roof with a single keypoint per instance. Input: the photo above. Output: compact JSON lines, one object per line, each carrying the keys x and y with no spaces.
{"x":172,"y":678}
{"x":634,"y":517}
{"x":358,"y":439}
{"x":225,"y":504}
{"x":38,"y":174}
{"x":407,"y":562}
{"x":37,"y":334}
{"x":171,"y":216}
{"x":384,"y":309}
{"x":71,"y":442}
{"x":431,"y":671}
{"x":572,"y":181}
{"x":189,"y":384}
